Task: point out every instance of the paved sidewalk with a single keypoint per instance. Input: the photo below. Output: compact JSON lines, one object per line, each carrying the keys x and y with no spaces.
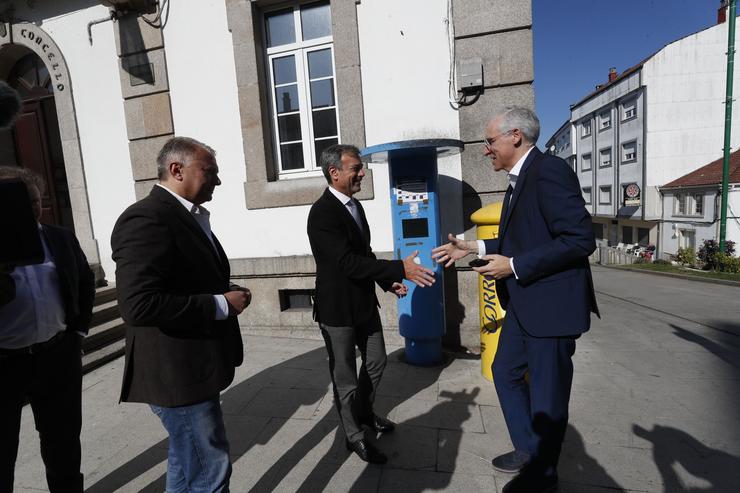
{"x":654,"y":408}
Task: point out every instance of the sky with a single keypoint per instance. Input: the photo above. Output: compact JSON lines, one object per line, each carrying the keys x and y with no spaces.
{"x":576,"y":41}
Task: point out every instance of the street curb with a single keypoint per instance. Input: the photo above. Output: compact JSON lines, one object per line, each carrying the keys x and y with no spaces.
{"x":687,"y":277}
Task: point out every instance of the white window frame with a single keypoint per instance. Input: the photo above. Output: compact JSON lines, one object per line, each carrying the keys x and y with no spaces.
{"x":584,"y":158}
{"x":300,"y":50}
{"x":602,"y":153}
{"x":608,"y":190}
{"x":629,"y":157}
{"x":629,"y":110}
{"x":605,"y":120}
{"x":691,"y":203}
{"x":679,"y":202}
{"x":587,"y":195}
{"x":586,"y":128}
{"x":687,"y":238}
{"x":698,"y":204}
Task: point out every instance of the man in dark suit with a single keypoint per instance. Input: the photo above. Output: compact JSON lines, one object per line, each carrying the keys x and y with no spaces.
{"x":345,"y":306}
{"x":183,"y":340}
{"x":41,"y":328}
{"x":543,"y":279}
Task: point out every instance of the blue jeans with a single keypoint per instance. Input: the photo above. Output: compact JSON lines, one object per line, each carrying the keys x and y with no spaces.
{"x":198,"y":456}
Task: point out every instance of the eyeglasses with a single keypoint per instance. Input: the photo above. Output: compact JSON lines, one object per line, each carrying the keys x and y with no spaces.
{"x":489,"y":142}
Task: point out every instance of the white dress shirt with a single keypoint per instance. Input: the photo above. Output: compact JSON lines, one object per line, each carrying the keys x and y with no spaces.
{"x":513,"y":175}
{"x":37,"y":312}
{"x":203,"y":218}
{"x":350,"y":204}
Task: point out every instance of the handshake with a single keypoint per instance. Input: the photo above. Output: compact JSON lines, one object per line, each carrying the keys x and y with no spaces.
{"x":495,"y":266}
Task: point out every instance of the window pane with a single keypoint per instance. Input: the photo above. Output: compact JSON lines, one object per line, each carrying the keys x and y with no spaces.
{"x":316,"y":21}
{"x":289,"y":127}
{"x":319,"y":64}
{"x":286,"y":98}
{"x":322,"y":93}
{"x":324,"y":123}
{"x":280,"y":28}
{"x":323,"y":144}
{"x":284,"y":69}
{"x":698,"y":204}
{"x":292,"y":156}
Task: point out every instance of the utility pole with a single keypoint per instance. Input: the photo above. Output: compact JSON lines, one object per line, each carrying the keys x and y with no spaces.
{"x":728,"y":124}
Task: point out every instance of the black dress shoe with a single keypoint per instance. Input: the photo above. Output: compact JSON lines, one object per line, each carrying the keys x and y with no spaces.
{"x":367,"y":452}
{"x":380,"y":425}
{"x":528,"y":483}
{"x":513,"y":461}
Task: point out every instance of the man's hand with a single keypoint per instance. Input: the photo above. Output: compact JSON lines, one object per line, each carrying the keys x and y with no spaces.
{"x":421,"y":276}
{"x":498,"y":267}
{"x":399,"y":289}
{"x":238,"y":299}
{"x":454,"y":250}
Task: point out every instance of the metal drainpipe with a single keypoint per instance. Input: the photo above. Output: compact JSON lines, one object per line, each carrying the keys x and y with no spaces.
{"x":113,"y":16}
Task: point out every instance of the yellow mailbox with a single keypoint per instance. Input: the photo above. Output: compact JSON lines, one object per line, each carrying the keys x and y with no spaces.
{"x":487,"y":220}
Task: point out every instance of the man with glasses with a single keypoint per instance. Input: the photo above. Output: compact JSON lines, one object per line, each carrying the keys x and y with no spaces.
{"x":540,"y":263}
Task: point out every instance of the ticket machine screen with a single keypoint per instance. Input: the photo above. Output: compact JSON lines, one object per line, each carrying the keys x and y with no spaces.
{"x":415,"y":228}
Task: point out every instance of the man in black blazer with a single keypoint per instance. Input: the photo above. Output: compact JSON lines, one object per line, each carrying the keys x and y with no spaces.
{"x":543,"y":279}
{"x":183,"y":340}
{"x":345,"y":305}
{"x":41,"y":328}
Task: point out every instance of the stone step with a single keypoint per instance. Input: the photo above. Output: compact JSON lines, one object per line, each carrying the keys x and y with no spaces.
{"x":105,"y":294}
{"x":103,"y":334}
{"x":102,"y":355}
{"x":105,"y":312}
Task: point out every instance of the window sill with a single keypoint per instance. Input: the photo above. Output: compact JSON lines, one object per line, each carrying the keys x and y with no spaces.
{"x":689,"y":216}
{"x":298,"y":191}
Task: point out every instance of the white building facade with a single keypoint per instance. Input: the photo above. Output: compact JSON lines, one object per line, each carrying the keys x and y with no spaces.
{"x":267,"y":84}
{"x":651,"y":124}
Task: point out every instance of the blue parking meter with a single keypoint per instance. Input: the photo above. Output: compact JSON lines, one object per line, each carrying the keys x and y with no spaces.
{"x":414,"y":193}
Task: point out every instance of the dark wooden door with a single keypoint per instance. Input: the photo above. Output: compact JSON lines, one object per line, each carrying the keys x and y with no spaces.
{"x":32,"y":151}
{"x":36,"y":138}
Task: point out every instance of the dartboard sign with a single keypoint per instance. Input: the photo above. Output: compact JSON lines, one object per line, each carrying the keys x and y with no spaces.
{"x":632,"y":195}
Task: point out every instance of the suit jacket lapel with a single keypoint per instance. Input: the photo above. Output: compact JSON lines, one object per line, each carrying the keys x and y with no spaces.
{"x":222,"y":255}
{"x":520,"y":181}
{"x":188,"y":221}
{"x":505,"y":211}
{"x":343,"y":212}
{"x":365,"y":225}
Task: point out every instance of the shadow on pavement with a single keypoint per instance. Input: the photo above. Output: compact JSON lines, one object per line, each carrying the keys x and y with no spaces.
{"x":234,"y":400}
{"x":728,"y":349}
{"x":265,"y":401}
{"x":397,"y":387}
{"x":576,"y":466}
{"x":672,"y":447}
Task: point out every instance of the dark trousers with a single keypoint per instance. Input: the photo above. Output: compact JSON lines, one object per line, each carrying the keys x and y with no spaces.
{"x":353,"y":395}
{"x":533,"y":377}
{"x":51,"y":381}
